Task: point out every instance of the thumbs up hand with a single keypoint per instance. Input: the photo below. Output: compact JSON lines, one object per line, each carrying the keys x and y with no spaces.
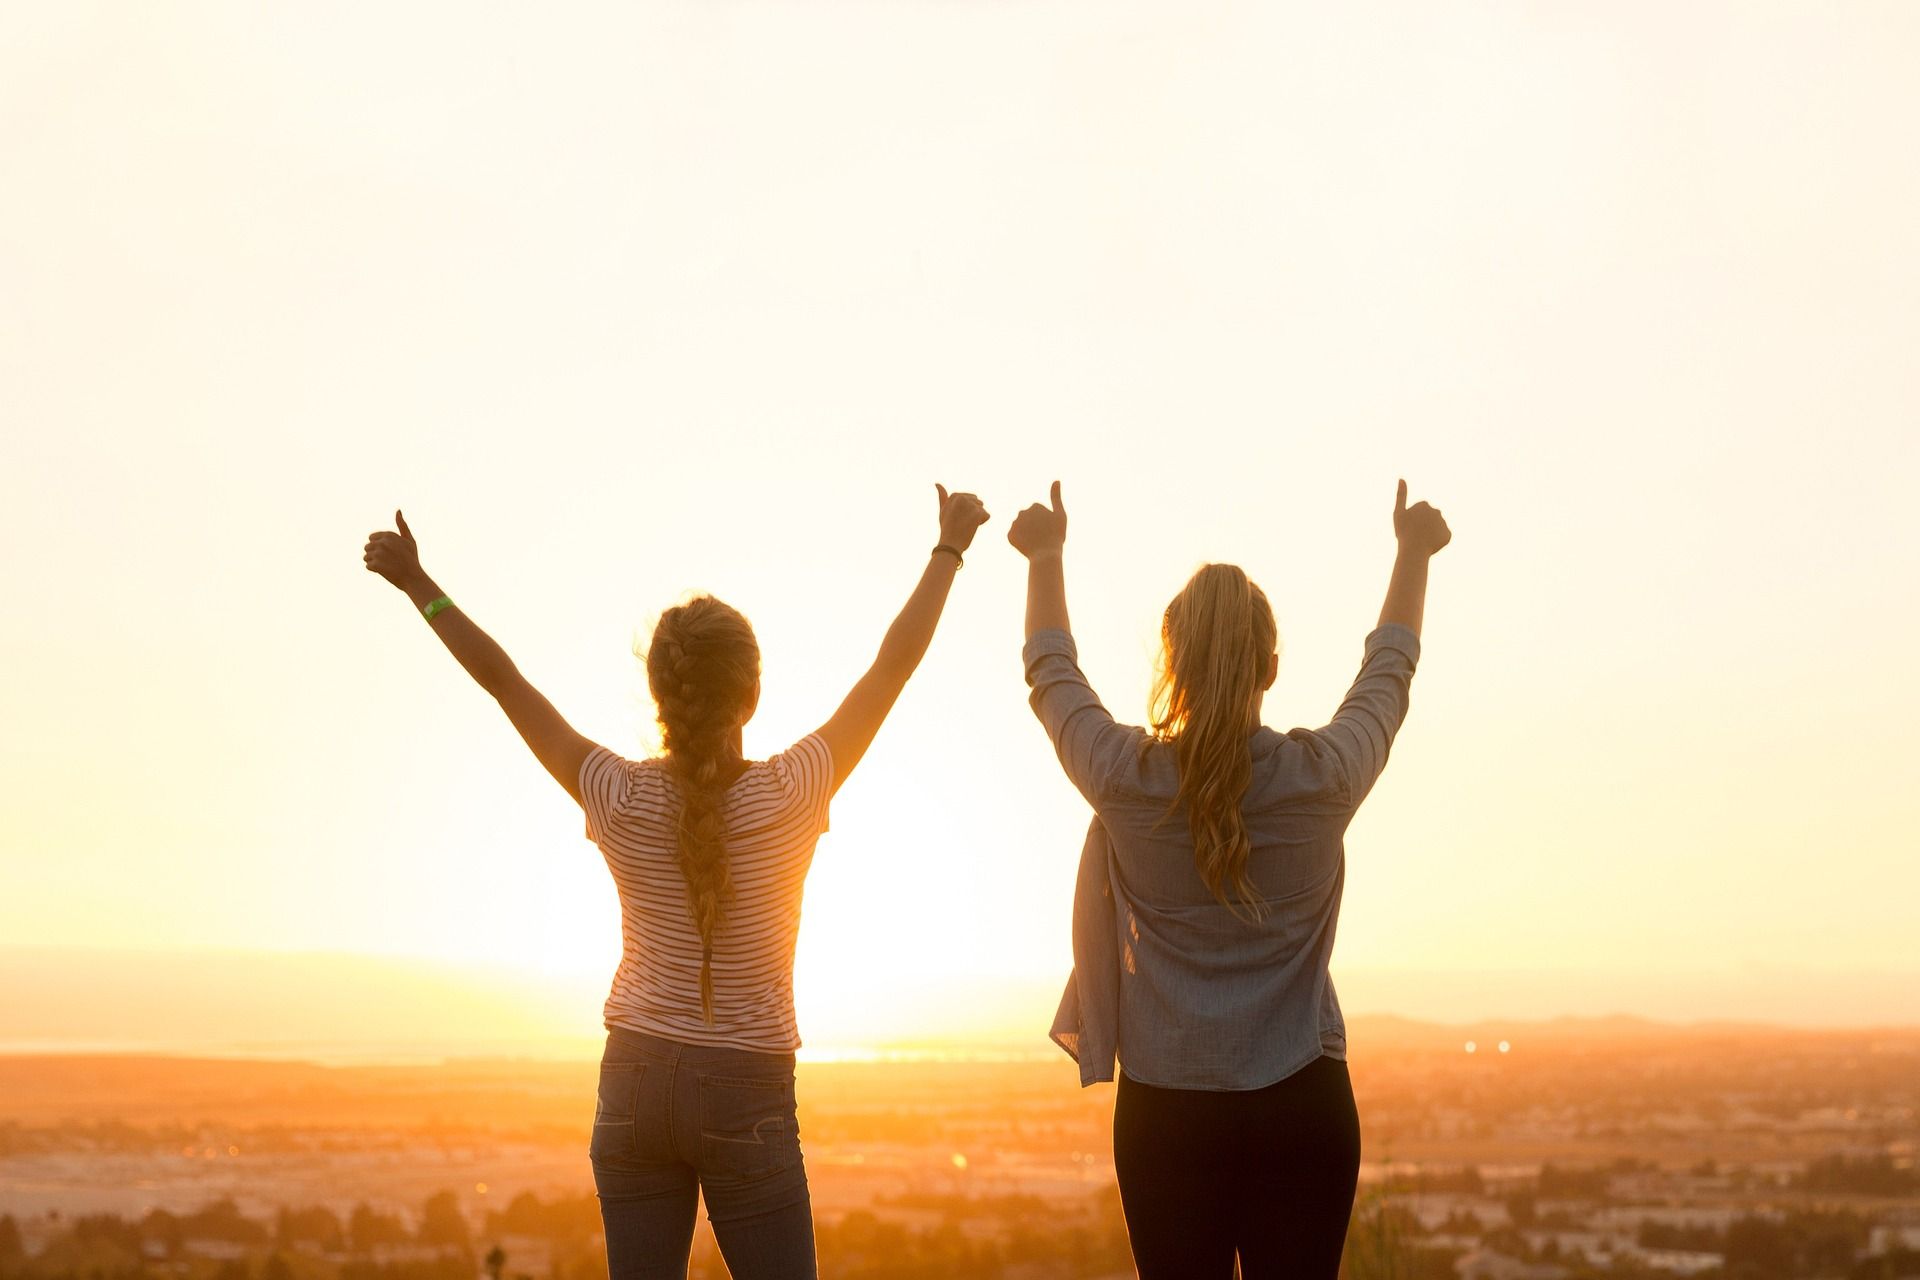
{"x":1040,"y":529}
{"x":1420,"y":528}
{"x":960,"y":515}
{"x":394,"y":556}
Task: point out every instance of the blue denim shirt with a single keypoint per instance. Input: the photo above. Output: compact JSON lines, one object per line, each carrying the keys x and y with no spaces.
{"x":1186,"y":994}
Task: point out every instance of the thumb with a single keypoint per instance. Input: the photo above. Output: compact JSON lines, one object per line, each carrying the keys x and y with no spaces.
{"x":1057,"y":508}
{"x":401,"y":521}
{"x":1400,"y":501}
{"x":942,"y":491}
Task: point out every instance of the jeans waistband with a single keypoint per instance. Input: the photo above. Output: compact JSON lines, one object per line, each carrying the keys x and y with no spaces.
{"x":626,"y":1044}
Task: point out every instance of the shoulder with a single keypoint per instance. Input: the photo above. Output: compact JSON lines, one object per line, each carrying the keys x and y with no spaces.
{"x":1295,"y":766}
{"x":610,"y":766}
{"x":800,"y":778}
{"x":618,"y":783}
{"x":1139,"y":766}
{"x":604,"y":773}
{"x":803,"y":769}
{"x":614,"y":790}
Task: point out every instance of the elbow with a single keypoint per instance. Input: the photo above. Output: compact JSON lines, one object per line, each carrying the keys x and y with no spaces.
{"x":898,"y":659}
{"x":497,"y":679}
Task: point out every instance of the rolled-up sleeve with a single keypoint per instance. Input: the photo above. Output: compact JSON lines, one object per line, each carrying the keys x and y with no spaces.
{"x":1090,"y":745}
{"x":1362,"y":730}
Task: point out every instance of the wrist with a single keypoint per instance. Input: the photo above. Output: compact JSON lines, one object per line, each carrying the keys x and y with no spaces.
{"x":420,"y":589}
{"x":1044,"y":554}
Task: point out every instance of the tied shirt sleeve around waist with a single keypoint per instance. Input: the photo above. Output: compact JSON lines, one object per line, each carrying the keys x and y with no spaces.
{"x":1362,"y":730}
{"x":1090,"y":745}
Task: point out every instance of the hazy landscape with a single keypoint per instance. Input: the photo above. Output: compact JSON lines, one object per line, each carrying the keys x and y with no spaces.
{"x":303,"y":956}
{"x":1576,"y":1147}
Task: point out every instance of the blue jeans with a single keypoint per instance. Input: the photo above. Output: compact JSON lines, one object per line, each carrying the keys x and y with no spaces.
{"x":678,"y":1120}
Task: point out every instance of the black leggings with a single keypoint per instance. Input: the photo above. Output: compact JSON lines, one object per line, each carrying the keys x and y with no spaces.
{"x":1268,"y":1174}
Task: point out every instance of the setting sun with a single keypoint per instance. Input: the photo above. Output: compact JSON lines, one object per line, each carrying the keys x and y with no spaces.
{"x":560,"y":726}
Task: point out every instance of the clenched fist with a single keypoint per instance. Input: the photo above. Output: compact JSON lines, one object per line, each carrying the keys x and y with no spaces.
{"x":1420,"y":528}
{"x":960,"y":515}
{"x":394,"y":556}
{"x":1039,"y":529}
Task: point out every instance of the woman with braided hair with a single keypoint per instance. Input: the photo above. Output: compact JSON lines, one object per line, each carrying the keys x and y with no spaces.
{"x":710,"y":853}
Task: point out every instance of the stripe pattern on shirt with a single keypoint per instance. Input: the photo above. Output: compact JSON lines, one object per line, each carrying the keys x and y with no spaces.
{"x":775,"y":812}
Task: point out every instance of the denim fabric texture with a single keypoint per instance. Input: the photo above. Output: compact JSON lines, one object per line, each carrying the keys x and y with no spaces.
{"x":1167,"y":980}
{"x":676,"y":1122}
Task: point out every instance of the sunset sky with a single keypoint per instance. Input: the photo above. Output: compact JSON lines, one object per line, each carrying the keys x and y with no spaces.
{"x":623,"y":302}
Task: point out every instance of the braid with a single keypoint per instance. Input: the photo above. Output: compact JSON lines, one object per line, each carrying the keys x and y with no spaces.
{"x":703,"y":667}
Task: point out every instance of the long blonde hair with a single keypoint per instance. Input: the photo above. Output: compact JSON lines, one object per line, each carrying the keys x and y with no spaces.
{"x":703,"y":668}
{"x":1215,"y":641}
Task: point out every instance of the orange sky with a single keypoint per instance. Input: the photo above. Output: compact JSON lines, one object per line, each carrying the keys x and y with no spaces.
{"x":624,"y":304}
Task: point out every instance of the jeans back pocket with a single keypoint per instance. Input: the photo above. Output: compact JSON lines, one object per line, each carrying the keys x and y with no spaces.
{"x":616,"y":1112}
{"x":748,"y":1128}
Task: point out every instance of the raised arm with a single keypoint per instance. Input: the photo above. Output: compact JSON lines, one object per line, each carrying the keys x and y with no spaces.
{"x":1040,"y":534}
{"x":1421,"y":532}
{"x":1362,"y":730}
{"x":851,"y":730}
{"x":1093,"y":749}
{"x":560,"y":750}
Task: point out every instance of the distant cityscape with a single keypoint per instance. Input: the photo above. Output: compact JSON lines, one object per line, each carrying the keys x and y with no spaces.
{"x":1621,"y":1150}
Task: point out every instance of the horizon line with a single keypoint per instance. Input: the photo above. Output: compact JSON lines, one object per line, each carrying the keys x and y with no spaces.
{"x":974,"y":1050}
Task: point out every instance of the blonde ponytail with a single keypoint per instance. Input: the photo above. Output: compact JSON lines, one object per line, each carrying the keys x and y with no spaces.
{"x":1216,"y":638}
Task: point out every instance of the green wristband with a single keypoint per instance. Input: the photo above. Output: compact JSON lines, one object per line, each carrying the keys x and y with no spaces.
{"x":435,"y":606}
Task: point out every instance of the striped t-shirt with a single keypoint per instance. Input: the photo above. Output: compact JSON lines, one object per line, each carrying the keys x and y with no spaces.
{"x":775,"y":811}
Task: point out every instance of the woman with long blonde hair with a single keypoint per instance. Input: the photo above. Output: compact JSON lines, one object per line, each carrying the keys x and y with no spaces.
{"x":1204,"y":913}
{"x":709,"y":852}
